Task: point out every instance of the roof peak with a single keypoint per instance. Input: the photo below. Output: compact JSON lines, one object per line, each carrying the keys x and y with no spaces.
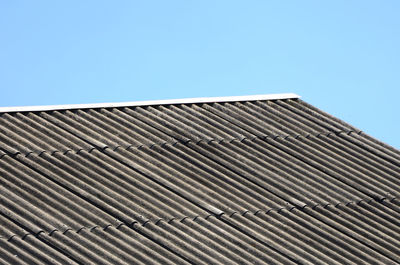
{"x":150,"y":102}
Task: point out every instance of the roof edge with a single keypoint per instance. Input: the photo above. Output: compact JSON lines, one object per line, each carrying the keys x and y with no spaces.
{"x":150,"y":102}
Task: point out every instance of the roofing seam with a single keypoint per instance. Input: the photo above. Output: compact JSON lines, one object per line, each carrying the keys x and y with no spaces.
{"x":341,"y":206}
{"x":286,"y":227}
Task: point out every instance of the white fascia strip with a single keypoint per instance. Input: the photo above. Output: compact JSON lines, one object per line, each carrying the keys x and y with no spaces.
{"x":150,"y":102}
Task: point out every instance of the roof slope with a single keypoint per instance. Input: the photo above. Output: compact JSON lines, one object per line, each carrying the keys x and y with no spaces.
{"x":272,"y":181}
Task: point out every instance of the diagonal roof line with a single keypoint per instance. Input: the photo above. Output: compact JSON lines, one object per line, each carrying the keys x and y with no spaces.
{"x":150,"y":102}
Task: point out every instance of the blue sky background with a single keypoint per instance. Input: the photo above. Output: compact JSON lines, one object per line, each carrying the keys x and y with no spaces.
{"x":341,"y":56}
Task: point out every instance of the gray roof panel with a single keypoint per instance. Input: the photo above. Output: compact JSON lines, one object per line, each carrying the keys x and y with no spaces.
{"x":252,"y":181}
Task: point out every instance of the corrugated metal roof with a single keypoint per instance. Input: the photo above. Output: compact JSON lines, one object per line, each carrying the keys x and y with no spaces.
{"x":271,"y":181}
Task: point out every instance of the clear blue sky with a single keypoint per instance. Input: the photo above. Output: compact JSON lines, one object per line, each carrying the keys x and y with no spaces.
{"x":341,"y":56}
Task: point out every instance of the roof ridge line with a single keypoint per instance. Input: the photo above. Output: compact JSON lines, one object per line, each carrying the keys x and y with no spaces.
{"x":151,"y":102}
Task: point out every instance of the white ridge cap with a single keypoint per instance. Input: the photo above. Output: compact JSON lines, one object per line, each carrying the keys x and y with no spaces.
{"x":150,"y":102}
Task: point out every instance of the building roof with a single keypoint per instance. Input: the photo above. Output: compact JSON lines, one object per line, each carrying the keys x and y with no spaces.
{"x":249,"y":180}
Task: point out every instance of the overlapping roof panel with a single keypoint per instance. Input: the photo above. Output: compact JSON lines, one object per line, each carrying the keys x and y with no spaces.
{"x":238,"y":182}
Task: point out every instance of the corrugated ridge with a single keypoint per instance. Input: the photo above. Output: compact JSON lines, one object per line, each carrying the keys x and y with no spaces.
{"x":281,"y":235}
{"x":26,"y":248}
{"x":366,"y":145}
{"x":186,"y":180}
{"x":83,"y":129}
{"x":13,"y":228}
{"x":258,"y":150}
